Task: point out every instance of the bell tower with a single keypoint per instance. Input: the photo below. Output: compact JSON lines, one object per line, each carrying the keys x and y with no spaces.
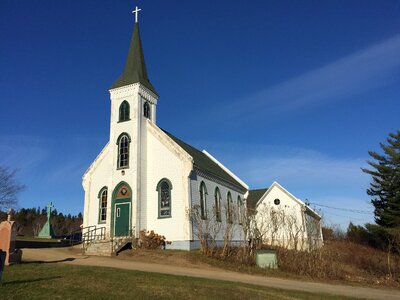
{"x":133,"y":104}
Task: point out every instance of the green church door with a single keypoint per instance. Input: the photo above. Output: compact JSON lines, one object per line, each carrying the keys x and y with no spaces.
{"x":122,"y":219}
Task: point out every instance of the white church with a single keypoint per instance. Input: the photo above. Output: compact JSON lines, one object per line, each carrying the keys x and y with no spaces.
{"x":145,"y":178}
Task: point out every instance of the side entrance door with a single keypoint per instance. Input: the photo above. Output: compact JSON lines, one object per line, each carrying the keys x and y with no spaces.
{"x":122,"y":219}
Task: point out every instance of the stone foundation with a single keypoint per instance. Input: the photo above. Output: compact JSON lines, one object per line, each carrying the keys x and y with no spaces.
{"x":101,"y":248}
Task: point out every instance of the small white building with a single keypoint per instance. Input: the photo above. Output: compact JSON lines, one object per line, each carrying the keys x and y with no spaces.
{"x":281,"y":219}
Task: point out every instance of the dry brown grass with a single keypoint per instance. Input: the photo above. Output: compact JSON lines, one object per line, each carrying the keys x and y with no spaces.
{"x":342,"y":260}
{"x":337,"y":261}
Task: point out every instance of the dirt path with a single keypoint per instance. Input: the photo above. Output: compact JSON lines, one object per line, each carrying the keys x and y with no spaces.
{"x":65,"y":255}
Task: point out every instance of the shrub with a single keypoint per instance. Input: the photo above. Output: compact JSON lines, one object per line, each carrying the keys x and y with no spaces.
{"x":151,"y":240}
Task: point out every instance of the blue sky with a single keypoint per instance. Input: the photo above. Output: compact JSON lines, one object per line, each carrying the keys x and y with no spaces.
{"x":292,"y":91}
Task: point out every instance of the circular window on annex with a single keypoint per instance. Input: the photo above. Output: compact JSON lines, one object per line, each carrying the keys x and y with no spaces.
{"x":277,"y":201}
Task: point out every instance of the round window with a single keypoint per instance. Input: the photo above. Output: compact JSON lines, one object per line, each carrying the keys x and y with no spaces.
{"x":277,"y":201}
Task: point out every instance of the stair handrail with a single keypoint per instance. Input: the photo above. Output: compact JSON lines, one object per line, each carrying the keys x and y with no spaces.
{"x":79,"y":230}
{"x":95,"y":234}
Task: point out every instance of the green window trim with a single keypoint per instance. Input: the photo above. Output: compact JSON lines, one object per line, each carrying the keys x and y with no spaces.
{"x":164,"y":188}
{"x":102,"y":207}
{"x":240,"y":210}
{"x":217,"y":195}
{"x":203,"y":200}
{"x":146,"y":110}
{"x":124,"y":112}
{"x":229,"y":208}
{"x":123,"y":143}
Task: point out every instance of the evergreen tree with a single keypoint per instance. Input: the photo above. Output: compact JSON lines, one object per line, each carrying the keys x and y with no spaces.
{"x":385,"y":186}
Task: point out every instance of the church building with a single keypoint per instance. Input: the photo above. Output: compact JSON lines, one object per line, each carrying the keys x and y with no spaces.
{"x":145,"y":178}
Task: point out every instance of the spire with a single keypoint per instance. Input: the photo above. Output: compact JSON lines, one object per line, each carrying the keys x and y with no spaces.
{"x":135,"y":67}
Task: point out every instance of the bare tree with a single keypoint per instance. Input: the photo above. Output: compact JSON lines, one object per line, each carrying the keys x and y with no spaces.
{"x":228,"y":228}
{"x":215,"y":227}
{"x":313,"y":231}
{"x":37,"y":224}
{"x":250,"y":233}
{"x":206,"y":227}
{"x":279,"y":227}
{"x":9,"y":188}
{"x":268,"y":222}
{"x":295,"y":232}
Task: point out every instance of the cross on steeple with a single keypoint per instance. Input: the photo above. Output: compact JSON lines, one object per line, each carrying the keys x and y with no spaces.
{"x":136,"y":12}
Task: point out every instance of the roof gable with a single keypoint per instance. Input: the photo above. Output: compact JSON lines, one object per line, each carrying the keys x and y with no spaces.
{"x":254,"y":196}
{"x":291,"y":196}
{"x":277,"y":185}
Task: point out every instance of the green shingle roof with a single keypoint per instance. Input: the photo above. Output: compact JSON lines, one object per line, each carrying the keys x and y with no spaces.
{"x":203,"y":162}
{"x":135,"y":67}
{"x":254,"y":196}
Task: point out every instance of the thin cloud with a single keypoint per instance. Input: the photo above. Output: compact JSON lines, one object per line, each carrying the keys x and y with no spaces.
{"x":318,"y":170}
{"x":295,"y":166}
{"x":22,"y":152}
{"x":357,"y":73}
{"x":69,"y":171}
{"x":304,"y":170}
{"x":347,"y":212}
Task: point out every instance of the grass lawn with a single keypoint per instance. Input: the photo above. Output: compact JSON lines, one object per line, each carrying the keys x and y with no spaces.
{"x":49,"y":280}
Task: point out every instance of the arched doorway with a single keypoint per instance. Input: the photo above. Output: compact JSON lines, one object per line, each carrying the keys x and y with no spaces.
{"x":122,"y":210}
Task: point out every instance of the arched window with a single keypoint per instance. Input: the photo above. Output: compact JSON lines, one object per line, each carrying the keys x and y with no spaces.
{"x":103,"y":205}
{"x":240,"y":210}
{"x":203,"y":200}
{"x":123,"y":151}
{"x":164,"y":188}
{"x":229,"y":208}
{"x":146,"y":110}
{"x":124,"y":111}
{"x":217,"y":204}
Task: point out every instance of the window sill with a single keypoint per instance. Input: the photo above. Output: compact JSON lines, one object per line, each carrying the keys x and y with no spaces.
{"x":123,"y":121}
{"x":164,"y":217}
{"x":122,"y":168}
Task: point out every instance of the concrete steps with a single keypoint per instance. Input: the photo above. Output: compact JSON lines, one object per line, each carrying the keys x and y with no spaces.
{"x":108,"y":247}
{"x":121,"y":242}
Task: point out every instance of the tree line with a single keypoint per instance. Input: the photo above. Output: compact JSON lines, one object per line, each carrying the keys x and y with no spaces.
{"x":29,"y":221}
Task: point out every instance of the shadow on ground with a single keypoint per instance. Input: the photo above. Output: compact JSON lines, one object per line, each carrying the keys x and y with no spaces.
{"x":50,"y":261}
{"x":31,"y":280}
{"x":42,"y":244}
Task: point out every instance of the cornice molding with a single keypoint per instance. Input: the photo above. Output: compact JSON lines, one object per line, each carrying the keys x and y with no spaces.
{"x":130,"y":89}
{"x":219,"y":180}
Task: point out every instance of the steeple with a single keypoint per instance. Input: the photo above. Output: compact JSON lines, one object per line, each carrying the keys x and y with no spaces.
{"x":135,"y":67}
